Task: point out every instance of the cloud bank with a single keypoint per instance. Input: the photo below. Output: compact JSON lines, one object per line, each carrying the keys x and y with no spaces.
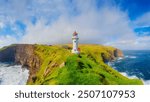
{"x":144,"y":20}
{"x":53,"y":22}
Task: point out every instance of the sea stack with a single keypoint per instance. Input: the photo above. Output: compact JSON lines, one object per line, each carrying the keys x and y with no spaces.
{"x":75,"y":39}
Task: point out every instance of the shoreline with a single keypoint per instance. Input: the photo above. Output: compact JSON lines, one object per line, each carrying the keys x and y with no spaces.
{"x":111,"y":64}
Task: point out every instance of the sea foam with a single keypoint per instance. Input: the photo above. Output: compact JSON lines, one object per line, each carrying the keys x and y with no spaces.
{"x":126,"y":75}
{"x":13,"y":75}
{"x":146,"y":82}
{"x":132,"y":57}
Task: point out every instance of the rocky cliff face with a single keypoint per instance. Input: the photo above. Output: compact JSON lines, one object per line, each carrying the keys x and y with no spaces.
{"x":118,"y":53}
{"x":115,"y":53}
{"x":24,"y":54}
{"x":7,"y":54}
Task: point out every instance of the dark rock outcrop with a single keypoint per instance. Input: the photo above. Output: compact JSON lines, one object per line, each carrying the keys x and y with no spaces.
{"x":105,"y":59}
{"x":118,"y":53}
{"x":113,"y":55}
{"x":8,"y":54}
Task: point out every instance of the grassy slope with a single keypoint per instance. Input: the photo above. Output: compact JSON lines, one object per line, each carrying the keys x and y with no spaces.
{"x":59,"y":66}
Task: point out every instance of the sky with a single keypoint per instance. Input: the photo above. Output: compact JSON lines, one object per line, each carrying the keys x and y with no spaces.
{"x":124,"y":24}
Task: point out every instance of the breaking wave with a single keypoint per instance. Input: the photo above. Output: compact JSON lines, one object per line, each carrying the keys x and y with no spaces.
{"x":132,"y":57}
{"x":146,"y":82}
{"x":13,"y":75}
{"x":126,"y":75}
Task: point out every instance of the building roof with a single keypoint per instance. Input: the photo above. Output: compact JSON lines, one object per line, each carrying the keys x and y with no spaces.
{"x":75,"y":33}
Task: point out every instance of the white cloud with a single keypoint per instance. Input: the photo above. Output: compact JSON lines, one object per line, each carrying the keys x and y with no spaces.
{"x":143,"y":21}
{"x":140,"y":43}
{"x":1,"y":25}
{"x":7,"y":40}
{"x":106,"y":25}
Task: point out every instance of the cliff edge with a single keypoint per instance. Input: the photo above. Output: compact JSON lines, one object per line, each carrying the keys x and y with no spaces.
{"x":53,"y":64}
{"x":21,"y":54}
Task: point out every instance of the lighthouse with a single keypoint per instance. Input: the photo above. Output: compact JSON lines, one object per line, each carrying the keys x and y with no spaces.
{"x":75,"y":39}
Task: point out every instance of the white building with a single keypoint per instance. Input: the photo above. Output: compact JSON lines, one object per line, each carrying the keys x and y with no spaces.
{"x":75,"y":39}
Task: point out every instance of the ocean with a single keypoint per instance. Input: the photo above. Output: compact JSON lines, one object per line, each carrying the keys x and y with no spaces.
{"x":135,"y":64}
{"x":13,"y":74}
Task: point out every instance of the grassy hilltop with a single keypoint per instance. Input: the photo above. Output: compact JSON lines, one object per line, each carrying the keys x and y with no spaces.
{"x":60,"y":67}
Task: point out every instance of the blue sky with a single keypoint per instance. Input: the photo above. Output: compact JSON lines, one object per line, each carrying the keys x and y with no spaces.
{"x":121,"y":23}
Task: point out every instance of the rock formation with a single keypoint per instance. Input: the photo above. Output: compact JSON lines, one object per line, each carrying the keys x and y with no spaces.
{"x":21,"y":54}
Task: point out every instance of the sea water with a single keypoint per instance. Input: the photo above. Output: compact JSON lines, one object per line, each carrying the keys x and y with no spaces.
{"x":13,"y":74}
{"x":135,"y":64}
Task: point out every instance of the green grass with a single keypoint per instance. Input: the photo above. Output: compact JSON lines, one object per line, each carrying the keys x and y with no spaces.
{"x":60,"y":67}
{"x":51,"y":57}
{"x":80,"y":70}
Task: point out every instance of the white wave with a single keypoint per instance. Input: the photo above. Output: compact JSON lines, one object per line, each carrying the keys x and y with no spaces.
{"x":146,"y":82}
{"x":112,"y":64}
{"x":132,"y":57}
{"x":109,"y":63}
{"x":120,"y":58}
{"x":13,"y":75}
{"x":126,"y":75}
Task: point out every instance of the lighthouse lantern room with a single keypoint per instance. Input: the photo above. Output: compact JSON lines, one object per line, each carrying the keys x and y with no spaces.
{"x":75,"y":39}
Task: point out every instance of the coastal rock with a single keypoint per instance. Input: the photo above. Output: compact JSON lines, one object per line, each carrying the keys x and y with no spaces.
{"x":21,"y":54}
{"x":118,"y":53}
{"x":113,"y":55}
{"x":7,"y":54}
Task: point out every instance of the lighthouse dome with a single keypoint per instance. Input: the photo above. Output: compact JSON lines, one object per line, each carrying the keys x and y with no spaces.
{"x":75,"y":33}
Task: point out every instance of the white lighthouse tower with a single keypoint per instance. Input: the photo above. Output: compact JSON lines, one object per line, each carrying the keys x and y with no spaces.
{"x":75,"y":39}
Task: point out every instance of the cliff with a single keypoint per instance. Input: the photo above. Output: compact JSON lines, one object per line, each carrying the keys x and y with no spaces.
{"x":57,"y":65}
{"x":21,"y":54}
